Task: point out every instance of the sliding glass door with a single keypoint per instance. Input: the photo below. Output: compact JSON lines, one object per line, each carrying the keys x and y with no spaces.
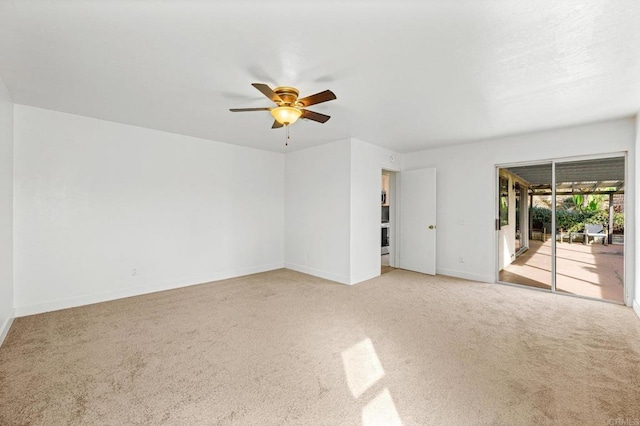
{"x":561,"y":226}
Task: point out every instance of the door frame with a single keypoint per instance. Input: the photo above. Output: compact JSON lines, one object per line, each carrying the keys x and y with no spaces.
{"x":394,"y":215}
{"x":626,"y":292}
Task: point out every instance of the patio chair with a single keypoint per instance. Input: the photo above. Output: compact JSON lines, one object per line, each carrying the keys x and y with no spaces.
{"x":594,"y":231}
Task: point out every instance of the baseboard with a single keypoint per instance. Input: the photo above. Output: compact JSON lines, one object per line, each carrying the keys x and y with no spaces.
{"x":318,"y":273}
{"x":364,"y":278}
{"x":5,"y":329}
{"x":636,"y":307}
{"x":89,"y":299}
{"x":465,"y":275}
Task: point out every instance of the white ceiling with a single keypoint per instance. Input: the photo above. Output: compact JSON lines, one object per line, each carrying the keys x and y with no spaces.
{"x":408,"y":74}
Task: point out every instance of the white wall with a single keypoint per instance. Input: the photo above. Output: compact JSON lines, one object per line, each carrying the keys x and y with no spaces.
{"x":367,"y":162}
{"x":95,"y":200}
{"x":332,"y":209}
{"x":6,"y":211}
{"x":317,"y":210}
{"x":466,"y":188}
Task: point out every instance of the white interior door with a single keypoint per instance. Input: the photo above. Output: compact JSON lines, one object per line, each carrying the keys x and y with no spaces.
{"x":417,"y":245}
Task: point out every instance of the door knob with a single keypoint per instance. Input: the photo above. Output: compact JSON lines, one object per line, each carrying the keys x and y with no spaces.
{"x":432,"y":227}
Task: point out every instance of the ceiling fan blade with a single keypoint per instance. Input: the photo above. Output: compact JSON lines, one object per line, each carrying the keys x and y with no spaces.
{"x":249,"y":109}
{"x":276,"y":124}
{"x":266,"y":90}
{"x":315,"y":116}
{"x":318,"y":98}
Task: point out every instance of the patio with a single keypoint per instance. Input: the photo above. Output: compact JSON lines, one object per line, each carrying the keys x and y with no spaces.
{"x":593,"y":270}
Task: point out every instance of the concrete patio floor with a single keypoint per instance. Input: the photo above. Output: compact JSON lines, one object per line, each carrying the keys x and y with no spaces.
{"x":593,"y":270}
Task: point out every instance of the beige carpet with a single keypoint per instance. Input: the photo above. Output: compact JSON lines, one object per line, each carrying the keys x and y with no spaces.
{"x":286,"y":348}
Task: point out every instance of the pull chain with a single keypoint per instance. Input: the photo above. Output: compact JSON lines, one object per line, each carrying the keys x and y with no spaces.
{"x":286,"y":141}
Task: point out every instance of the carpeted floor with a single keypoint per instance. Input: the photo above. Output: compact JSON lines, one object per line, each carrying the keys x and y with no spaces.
{"x":287,"y":348}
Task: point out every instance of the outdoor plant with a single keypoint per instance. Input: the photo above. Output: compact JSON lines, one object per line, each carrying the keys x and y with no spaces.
{"x":540,"y":217}
{"x":592,"y":203}
{"x":573,"y":220}
{"x":618,"y":222}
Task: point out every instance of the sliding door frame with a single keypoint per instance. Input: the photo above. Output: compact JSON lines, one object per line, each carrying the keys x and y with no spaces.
{"x":553,"y":162}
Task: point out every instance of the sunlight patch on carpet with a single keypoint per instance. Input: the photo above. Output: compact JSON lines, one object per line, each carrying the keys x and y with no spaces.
{"x":381,"y":411}
{"x":361,"y":367}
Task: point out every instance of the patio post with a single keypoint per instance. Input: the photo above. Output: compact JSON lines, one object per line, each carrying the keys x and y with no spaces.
{"x":531,"y":216}
{"x":610,"y":237}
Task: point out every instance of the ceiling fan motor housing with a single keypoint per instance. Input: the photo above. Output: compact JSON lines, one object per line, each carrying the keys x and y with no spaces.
{"x":289,"y":95}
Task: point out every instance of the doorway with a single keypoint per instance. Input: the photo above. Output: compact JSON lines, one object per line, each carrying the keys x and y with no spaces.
{"x":387,"y":222}
{"x":561,"y":226}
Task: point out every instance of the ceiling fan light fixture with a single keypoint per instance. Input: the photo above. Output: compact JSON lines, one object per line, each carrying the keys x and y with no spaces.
{"x":286,"y":114}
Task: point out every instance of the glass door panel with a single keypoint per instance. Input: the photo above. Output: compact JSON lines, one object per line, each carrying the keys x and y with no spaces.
{"x":525,"y":233}
{"x":590,"y":228}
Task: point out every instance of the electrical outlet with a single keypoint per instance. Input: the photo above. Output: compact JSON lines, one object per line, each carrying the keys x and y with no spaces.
{"x":461,"y":259}
{"x":134,"y":272}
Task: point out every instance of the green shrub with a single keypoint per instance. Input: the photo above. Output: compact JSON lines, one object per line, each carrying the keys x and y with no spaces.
{"x":574,"y":220}
{"x":570,"y":220}
{"x":540,"y":217}
{"x":618,"y":222}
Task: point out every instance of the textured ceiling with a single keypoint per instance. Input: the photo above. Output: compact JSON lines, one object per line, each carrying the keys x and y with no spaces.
{"x":408,"y":75}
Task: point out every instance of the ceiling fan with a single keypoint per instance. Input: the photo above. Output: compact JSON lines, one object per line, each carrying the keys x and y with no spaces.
{"x":288,"y":107}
